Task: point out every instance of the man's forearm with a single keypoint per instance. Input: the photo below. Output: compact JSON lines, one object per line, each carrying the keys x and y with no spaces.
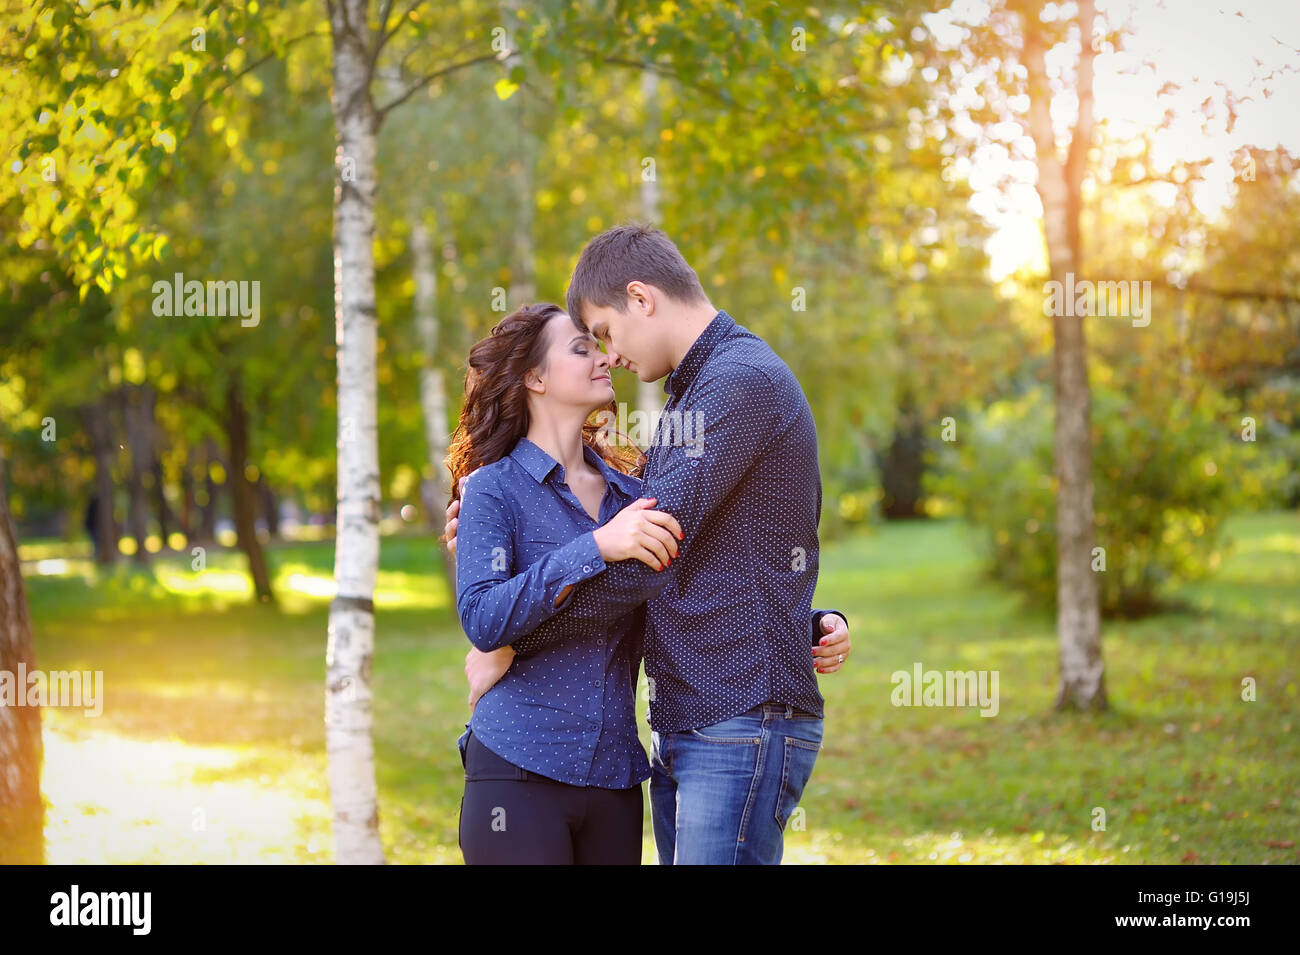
{"x":622,"y":586}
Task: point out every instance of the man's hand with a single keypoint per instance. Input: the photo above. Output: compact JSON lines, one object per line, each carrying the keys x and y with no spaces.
{"x":453,"y":512}
{"x":834,"y":648}
{"x":483,"y":670}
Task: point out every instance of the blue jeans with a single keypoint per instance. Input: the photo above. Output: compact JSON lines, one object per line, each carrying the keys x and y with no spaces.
{"x":723,"y":794}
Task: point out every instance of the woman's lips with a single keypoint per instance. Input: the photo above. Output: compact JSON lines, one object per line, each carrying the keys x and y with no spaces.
{"x":602,"y":378}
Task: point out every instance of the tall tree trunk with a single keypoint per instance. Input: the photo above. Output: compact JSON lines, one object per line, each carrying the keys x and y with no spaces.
{"x":523,"y":171}
{"x":242,"y":492}
{"x":433,"y":389}
{"x":351,"y":637}
{"x":269,"y":506}
{"x":209,"y":511}
{"x":903,"y":465}
{"x":650,"y":394}
{"x":1060,"y":187}
{"x":22,"y":813}
{"x":140,"y":449}
{"x":166,"y":519}
{"x":157,"y":476}
{"x":188,"y":506}
{"x":101,"y":439}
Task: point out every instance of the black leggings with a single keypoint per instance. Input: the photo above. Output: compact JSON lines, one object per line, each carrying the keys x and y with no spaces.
{"x":510,"y":816}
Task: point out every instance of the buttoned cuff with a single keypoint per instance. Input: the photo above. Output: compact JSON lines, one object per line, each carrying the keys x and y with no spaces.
{"x":817,"y":623}
{"x":578,"y":560}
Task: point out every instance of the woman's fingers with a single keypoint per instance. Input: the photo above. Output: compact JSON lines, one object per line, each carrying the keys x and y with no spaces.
{"x":665,"y":520}
{"x":829,"y":655}
{"x":646,"y":557}
{"x":657,"y":547}
{"x":449,"y":526}
{"x":663,"y":536}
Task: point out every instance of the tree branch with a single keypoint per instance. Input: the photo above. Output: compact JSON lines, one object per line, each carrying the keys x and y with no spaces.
{"x":249,"y":68}
{"x":661,"y":71}
{"x":430,"y":77}
{"x":386,"y":35}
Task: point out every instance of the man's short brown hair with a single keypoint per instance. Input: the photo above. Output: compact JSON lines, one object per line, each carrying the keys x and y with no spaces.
{"x":630,"y":253}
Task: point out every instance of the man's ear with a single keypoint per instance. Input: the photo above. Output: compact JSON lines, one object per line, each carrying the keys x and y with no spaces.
{"x":641,"y":297}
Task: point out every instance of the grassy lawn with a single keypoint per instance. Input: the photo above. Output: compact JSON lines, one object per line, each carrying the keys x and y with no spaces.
{"x":210,"y":747}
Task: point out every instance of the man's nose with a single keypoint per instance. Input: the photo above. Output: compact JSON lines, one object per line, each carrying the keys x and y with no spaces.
{"x":615,"y":359}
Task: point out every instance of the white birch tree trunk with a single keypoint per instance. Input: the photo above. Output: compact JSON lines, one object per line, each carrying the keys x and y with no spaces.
{"x":650,"y":394}
{"x":523,"y":264}
{"x":351,"y":639}
{"x":1060,"y":187}
{"x":433,"y":386}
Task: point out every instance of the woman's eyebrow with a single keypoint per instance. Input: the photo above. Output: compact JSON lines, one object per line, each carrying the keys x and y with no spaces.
{"x":580,"y":338}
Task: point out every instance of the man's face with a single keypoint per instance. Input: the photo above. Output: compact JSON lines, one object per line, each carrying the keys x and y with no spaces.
{"x":630,"y":340}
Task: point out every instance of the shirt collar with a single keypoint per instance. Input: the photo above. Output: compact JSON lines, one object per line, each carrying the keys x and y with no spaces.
{"x":539,"y":466}
{"x":534,"y":460}
{"x":694,"y":359}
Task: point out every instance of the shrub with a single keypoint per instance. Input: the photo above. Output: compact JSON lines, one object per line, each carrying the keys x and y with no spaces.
{"x":1164,"y":479}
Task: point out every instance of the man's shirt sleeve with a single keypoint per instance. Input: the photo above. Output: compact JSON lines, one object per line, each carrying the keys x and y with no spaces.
{"x":734,"y":414}
{"x":496,"y":608}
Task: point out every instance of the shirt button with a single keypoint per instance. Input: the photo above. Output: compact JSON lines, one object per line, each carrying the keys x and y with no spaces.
{"x":595,"y":683}
{"x":586,"y":568}
{"x":600,"y":643}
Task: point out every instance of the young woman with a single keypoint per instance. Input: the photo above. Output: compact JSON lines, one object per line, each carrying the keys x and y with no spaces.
{"x":553,"y":764}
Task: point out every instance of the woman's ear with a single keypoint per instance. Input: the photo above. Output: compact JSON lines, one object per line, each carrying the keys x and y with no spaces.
{"x":533,"y":382}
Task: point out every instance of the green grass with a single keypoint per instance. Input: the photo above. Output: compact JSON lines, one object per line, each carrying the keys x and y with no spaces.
{"x":211,"y":746}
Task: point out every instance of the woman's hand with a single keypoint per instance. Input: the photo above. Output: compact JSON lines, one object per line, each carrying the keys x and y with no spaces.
{"x":639,"y":533}
{"x":834,"y":648}
{"x":483,"y":670}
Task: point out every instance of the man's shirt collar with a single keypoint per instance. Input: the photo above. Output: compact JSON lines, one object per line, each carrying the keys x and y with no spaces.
{"x":691,"y":363}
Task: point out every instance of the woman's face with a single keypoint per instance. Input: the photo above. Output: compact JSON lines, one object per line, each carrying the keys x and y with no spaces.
{"x":575,"y":371}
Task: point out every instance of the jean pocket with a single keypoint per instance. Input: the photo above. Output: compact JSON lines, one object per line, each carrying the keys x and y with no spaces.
{"x":796,"y":769}
{"x":738,"y":729}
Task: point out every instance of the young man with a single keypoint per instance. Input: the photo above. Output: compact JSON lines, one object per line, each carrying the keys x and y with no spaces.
{"x":735,"y":713}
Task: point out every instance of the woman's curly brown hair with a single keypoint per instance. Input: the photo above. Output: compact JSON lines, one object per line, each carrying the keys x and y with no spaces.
{"x":494,"y":414}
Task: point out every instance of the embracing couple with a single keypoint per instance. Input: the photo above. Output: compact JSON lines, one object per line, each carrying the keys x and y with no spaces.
{"x":578,"y":555}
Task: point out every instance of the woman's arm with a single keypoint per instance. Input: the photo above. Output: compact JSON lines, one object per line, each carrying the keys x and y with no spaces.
{"x":495,"y":607}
